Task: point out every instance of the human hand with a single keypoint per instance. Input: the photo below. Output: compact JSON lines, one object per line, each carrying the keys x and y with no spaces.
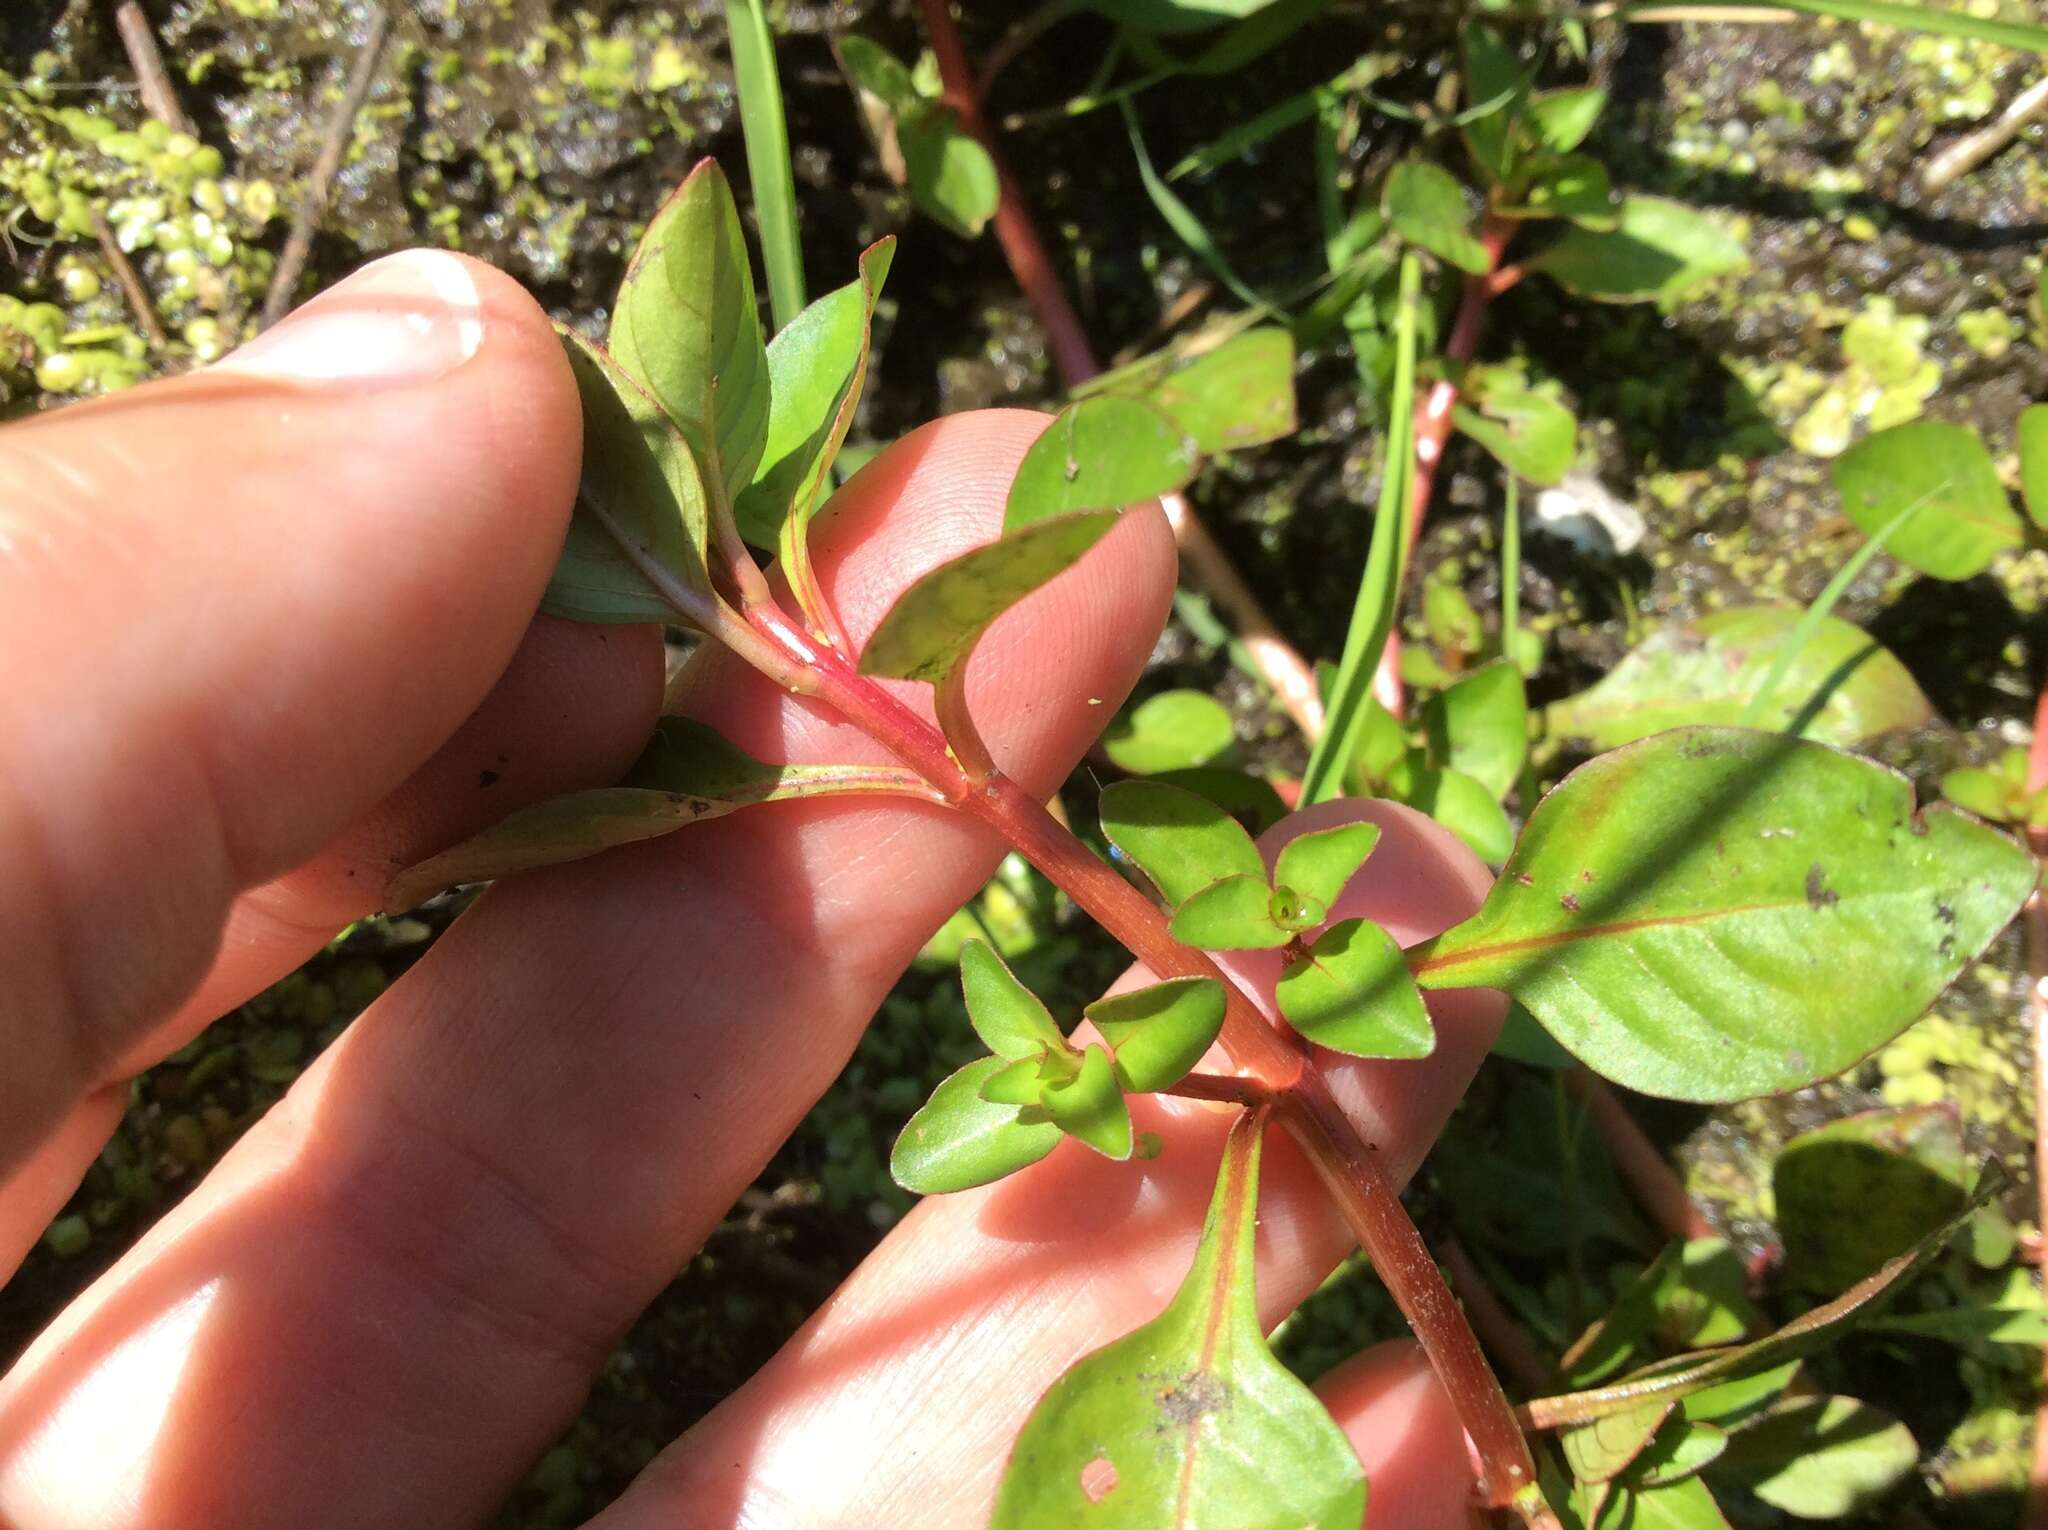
{"x":270,"y":628}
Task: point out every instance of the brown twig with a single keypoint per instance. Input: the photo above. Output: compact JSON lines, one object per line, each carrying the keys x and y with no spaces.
{"x":131,"y":284}
{"x":1657,"y":1186}
{"x":159,"y":96}
{"x":1972,"y":149}
{"x":338,"y":134}
{"x":1208,"y":566}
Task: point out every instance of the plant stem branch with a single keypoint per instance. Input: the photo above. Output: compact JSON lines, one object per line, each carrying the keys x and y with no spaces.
{"x":335,"y":139}
{"x":130,"y":283}
{"x":1278,"y":661}
{"x":1656,"y":1184}
{"x":1492,"y":1321}
{"x":159,"y":96}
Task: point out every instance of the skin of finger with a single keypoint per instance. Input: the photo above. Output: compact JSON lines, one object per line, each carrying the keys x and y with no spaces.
{"x":1405,"y":1429}
{"x":572,"y":710}
{"x":227,"y":603}
{"x":897,"y":1403}
{"x":391,"y":1295}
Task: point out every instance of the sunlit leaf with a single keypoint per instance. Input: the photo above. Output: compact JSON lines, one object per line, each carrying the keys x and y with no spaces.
{"x":1822,"y":1457}
{"x":1098,"y":454}
{"x":1174,"y":730}
{"x":1863,"y":1189}
{"x":638,"y":498}
{"x":1607,"y":1447}
{"x":1963,"y":519}
{"x":959,"y":1140}
{"x":1461,"y":804}
{"x":1843,"y":688}
{"x":1006,"y":1015}
{"x":952,"y":177}
{"x":1676,"y":907}
{"x":1190,"y":1420}
{"x":1023,"y":1081}
{"x":1182,"y":842}
{"x":1353,"y":994}
{"x":1492,"y":72}
{"x":1175,"y":15}
{"x":1729,"y":1403}
{"x":1240,"y":394}
{"x":873,"y":68}
{"x":1660,"y":249}
{"x":1452,"y":623}
{"x":1528,"y":432}
{"x":1319,"y":865}
{"x":1573,"y":186}
{"x":2032,"y":437}
{"x":938,"y":620}
{"x":2023,"y":1326}
{"x":1522,"y":1039}
{"x":1685,"y":1505}
{"x":1160,"y":1032}
{"x":1250,"y":799}
{"x":1234,"y":914}
{"x":1561,"y":119}
{"x":1679,"y":1451}
{"x":686,"y":328}
{"x":1480,"y":726}
{"x":1091,"y":1107}
{"x":1427,"y":207}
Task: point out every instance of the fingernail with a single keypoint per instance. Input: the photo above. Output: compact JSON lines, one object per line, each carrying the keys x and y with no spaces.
{"x":409,"y":317}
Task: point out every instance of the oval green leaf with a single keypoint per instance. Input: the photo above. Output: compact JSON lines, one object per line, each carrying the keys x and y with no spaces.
{"x":959,"y":1140}
{"x":2032,"y":439}
{"x":1353,"y":994}
{"x":1822,"y":1457}
{"x":1240,"y":394}
{"x":952,"y":178}
{"x":1427,"y":207}
{"x":1235,"y":914}
{"x":1320,"y":865}
{"x":1659,"y":249}
{"x":1159,"y":1033}
{"x":1962,"y":518}
{"x":1605,"y":1448}
{"x":1190,"y":1420}
{"x":1684,"y":1450}
{"x":1006,"y":1015}
{"x":1561,"y":119}
{"x":1861,"y":1190}
{"x":1181,"y":841}
{"x":1844,"y":687}
{"x":1090,"y":1106}
{"x":1480,"y":726}
{"x":1527,"y":432}
{"x":1175,"y":730}
{"x":1573,"y":186}
{"x":938,"y":620}
{"x":1713,"y":914}
{"x":1099,"y":454}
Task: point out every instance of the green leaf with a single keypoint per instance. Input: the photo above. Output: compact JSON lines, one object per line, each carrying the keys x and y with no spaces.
{"x":1091,"y":1107}
{"x":1822,"y":1457}
{"x":938,"y":620}
{"x":1979,"y":791}
{"x":1175,"y":15}
{"x":2024,"y":1326}
{"x":1619,"y":1334}
{"x":1864,"y":1189}
{"x":1573,"y":186}
{"x":959,"y":1140}
{"x":816,"y":367}
{"x":1528,"y":432}
{"x":1480,"y":726}
{"x":1353,"y":994}
{"x":1020,"y":1083}
{"x":1160,"y":1032}
{"x":1678,"y":1452}
{"x":686,"y":328}
{"x":638,"y":504}
{"x":1561,"y":119}
{"x":1190,"y":1420}
{"x":1451,"y":621}
{"x":1249,"y":799}
{"x":1235,"y":914}
{"x":1526,"y":1042}
{"x":952,"y":178}
{"x":1729,"y":1403}
{"x":1607,"y":1447}
{"x":1321,"y":864}
{"x":1240,"y":394}
{"x":1684,"y":1505}
{"x":1677,"y":908}
{"x":1182,"y":842}
{"x":1174,"y":730}
{"x":1427,"y":207}
{"x":2032,"y":439}
{"x":1660,"y":249}
{"x":1098,"y":454}
{"x":1006,"y":1015}
{"x":687,"y":774}
{"x":1462,"y":805}
{"x":1492,"y":71}
{"x":1843,"y":688}
{"x":1963,"y":519}
{"x":874,"y":69}
{"x":1704,"y":1299}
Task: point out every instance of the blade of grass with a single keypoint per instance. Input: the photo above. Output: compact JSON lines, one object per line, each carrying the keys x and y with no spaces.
{"x":1182,"y":220}
{"x":1279,"y":117}
{"x":1889,"y":13}
{"x":1379,"y":591}
{"x":1511,"y":568}
{"x":767,"y":135}
{"x":1809,"y":623}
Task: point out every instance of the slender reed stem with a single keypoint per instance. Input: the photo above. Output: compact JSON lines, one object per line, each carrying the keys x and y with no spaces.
{"x":767,"y":134}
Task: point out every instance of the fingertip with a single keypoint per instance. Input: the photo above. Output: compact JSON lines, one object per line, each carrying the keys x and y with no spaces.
{"x":1405,"y":1429}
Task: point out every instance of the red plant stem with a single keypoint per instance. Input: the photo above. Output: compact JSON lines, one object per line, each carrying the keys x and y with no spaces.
{"x":2034,"y":932}
{"x":1278,"y":661}
{"x":1492,"y":1321}
{"x":1656,"y":1184}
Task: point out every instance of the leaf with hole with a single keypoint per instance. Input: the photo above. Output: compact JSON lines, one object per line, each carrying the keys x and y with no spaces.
{"x":1174,"y":730}
{"x":1528,"y":432}
{"x":1427,"y":207}
{"x":1660,"y":249}
{"x":1182,"y":842}
{"x":1675,"y":906}
{"x":685,"y":327}
{"x":1189,"y":1420}
{"x":1480,"y":726}
{"x":1099,"y":454}
{"x":1006,"y":1015}
{"x":958,"y":1140}
{"x":1844,"y":687}
{"x":935,"y":623}
{"x":1822,"y":1457}
{"x":639,"y":505}
{"x":1234,"y":914}
{"x":1160,"y":1032}
{"x":1352,"y":993}
{"x":1319,"y":865}
{"x":1962,"y":519}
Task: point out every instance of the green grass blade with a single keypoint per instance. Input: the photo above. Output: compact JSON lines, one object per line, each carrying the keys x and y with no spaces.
{"x":767,"y":135}
{"x":1511,"y":568}
{"x":1889,"y":13}
{"x":1379,"y":592}
{"x":1182,"y":220}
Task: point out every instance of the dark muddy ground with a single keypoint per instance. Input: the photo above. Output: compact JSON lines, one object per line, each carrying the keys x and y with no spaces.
{"x":540,"y":137}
